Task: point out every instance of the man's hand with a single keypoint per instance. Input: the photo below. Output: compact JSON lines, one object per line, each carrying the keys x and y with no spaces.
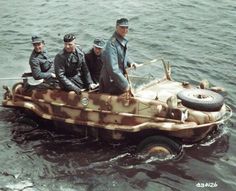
{"x":134,"y":65}
{"x":79,"y":91}
{"x":53,"y":75}
{"x":93,"y":86}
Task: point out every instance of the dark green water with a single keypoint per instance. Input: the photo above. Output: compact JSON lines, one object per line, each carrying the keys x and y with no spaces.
{"x":196,"y":37}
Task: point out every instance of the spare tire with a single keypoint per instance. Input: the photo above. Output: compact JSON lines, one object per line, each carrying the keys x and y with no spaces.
{"x":201,"y":99}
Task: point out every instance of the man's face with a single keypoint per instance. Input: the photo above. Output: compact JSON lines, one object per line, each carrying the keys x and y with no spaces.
{"x":97,"y":50}
{"x":70,"y":46}
{"x":38,"y":47}
{"x":122,"y":31}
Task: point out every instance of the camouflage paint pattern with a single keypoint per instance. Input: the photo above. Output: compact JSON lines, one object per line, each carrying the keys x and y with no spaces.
{"x":153,"y":107}
{"x":122,"y":113}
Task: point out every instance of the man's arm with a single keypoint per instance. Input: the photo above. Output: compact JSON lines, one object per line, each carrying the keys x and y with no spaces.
{"x":59,"y":64}
{"x":36,"y":70}
{"x":111,"y":60}
{"x":85,"y":72}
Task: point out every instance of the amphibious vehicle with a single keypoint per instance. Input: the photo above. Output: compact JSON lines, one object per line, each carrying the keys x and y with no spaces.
{"x":160,"y":116}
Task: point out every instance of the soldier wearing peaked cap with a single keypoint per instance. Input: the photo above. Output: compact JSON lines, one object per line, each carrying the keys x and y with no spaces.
{"x":113,"y":78}
{"x":71,"y":69}
{"x":41,"y":64}
{"x":93,"y":59}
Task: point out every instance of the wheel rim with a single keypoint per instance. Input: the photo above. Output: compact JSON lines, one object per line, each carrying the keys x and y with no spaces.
{"x":201,"y":97}
{"x":158,"y":150}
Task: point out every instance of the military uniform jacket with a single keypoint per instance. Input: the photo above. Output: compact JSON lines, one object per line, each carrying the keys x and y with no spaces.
{"x":115,"y":62}
{"x":72,"y":71}
{"x":41,"y":65}
{"x":94,"y":64}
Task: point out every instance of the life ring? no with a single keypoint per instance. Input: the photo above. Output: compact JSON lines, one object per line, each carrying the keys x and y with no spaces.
{"x":201,"y":99}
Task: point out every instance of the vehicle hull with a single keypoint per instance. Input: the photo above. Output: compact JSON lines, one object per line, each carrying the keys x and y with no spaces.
{"x":121,"y":115}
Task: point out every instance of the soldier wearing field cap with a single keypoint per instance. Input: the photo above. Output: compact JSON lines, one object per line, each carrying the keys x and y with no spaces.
{"x":70,"y":67}
{"x":113,"y":78}
{"x":93,"y":59}
{"x":40,"y":63}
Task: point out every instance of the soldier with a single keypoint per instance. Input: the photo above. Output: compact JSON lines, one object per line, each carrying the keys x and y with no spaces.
{"x":93,"y":59}
{"x":71,"y":69}
{"x":40,"y":63}
{"x":113,"y":78}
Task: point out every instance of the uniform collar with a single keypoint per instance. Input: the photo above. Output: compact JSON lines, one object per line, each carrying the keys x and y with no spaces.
{"x":120,"y":39}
